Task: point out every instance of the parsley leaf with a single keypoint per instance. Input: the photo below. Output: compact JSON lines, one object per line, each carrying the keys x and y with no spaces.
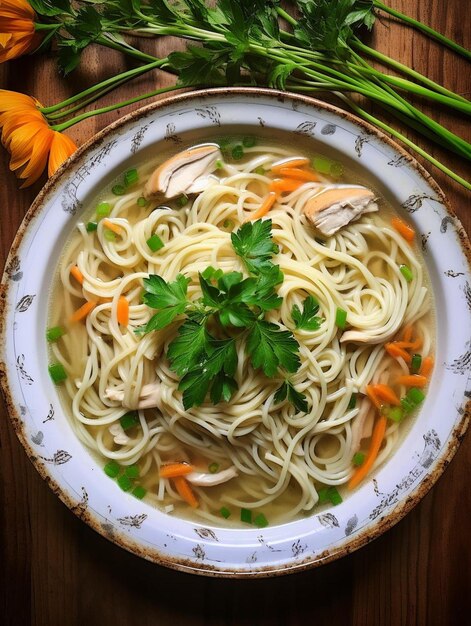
{"x":170,"y":298}
{"x":297,"y":399}
{"x":253,"y":243}
{"x":185,"y":351}
{"x":307,"y":320}
{"x":271,"y":347}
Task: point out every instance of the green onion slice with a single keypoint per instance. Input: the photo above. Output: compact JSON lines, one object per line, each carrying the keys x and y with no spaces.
{"x":91,"y":227}
{"x":353,"y":401}
{"x":132,"y":471}
{"x":358,"y":458}
{"x":249,"y":142}
{"x":155,"y":243}
{"x":54,"y":333}
{"x":341,"y":318}
{"x":416,"y":364}
{"x":260,"y":521}
{"x":139,"y":492}
{"x":57,"y":373}
{"x":112,"y":469}
{"x":131,"y":177}
{"x":125,"y":482}
{"x":246,"y":516}
{"x":237,"y":152}
{"x":109,"y":235}
{"x":129,"y":420}
{"x":406,"y":272}
{"x":118,"y":190}
{"x":224,"y":511}
{"x":213,"y":468}
{"x":142,"y":201}
{"x":103,"y":209}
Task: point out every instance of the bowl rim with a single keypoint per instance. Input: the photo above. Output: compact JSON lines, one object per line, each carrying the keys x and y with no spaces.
{"x":382,"y":524}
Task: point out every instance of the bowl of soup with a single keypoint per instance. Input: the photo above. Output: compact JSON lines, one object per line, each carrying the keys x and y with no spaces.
{"x":236,"y":332}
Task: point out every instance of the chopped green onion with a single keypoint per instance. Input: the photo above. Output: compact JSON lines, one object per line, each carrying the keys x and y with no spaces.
{"x":322,"y":164}
{"x":246,"y":516}
{"x":128,"y":420}
{"x":394,"y":413}
{"x":141,"y":201}
{"x":224,"y":511}
{"x":407,"y":405}
{"x":334,"y":496}
{"x":130,"y":177}
{"x":406,"y":272}
{"x":118,"y":190}
{"x":91,"y":227}
{"x":341,"y":318}
{"x":57,"y":373}
{"x":219,"y":164}
{"x":237,"y":152}
{"x":54,"y":333}
{"x":125,"y":482}
{"x":416,"y":395}
{"x":358,"y":458}
{"x":103,"y":210}
{"x":260,"y":170}
{"x":112,"y":469}
{"x":109,"y":235}
{"x":213,"y":468}
{"x":416,"y":364}
{"x":249,"y":141}
{"x":155,"y":243}
{"x":323,"y":495}
{"x":336,"y":169}
{"x":224,"y":142}
{"x":260,"y":521}
{"x":228,"y":224}
{"x":139,"y":492}
{"x":353,"y":401}
{"x":182,"y":200}
{"x":132,"y":471}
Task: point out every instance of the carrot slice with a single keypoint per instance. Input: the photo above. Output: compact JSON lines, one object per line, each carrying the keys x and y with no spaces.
{"x":403,"y":229}
{"x":393,"y":350}
{"x":298,"y":174}
{"x":376,"y":440}
{"x":386,"y":393}
{"x":172,"y":470}
{"x":281,"y":185}
{"x":412,"y":380}
{"x":427,"y":366}
{"x":407,"y":334}
{"x":264,"y":207}
{"x":293,"y":162}
{"x":371,"y":393}
{"x":123,"y":311}
{"x":77,"y":274}
{"x":185,"y":491}
{"x":81,"y":313}
{"x":409,"y":345}
{"x":116,"y":228}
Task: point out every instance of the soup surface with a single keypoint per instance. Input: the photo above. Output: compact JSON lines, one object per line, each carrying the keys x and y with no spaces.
{"x":221,"y":350}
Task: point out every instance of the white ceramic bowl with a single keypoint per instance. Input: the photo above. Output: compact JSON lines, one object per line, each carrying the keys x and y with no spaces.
{"x":68,"y":467}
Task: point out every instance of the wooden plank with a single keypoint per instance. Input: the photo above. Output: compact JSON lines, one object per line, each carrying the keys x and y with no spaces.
{"x":55,"y":570}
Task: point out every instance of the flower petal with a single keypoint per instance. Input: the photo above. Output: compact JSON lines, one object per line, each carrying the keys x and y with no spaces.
{"x":38,"y":158}
{"x":61,"y":149}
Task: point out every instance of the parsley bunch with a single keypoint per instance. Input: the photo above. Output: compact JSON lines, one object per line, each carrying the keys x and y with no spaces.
{"x":232,"y":308}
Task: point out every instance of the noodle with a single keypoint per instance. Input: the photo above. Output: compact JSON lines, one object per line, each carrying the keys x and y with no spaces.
{"x":281,"y":455}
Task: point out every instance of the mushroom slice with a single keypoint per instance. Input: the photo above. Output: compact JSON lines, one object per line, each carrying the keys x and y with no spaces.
{"x":186,"y":172}
{"x":202,"y":479}
{"x":336,"y":206}
{"x":148,"y":398}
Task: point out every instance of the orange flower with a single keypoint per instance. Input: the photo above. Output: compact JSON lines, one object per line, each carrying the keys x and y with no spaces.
{"x":17,"y":30}
{"x":28,"y":137}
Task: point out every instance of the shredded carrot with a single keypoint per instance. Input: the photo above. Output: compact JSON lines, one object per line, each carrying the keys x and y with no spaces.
{"x":81,"y":313}
{"x":280,"y":185}
{"x":371,"y":393}
{"x":386,"y":393}
{"x":298,"y":174}
{"x":403,"y":229}
{"x":427,"y":366}
{"x":172,"y":470}
{"x":123,"y":311}
{"x":393,"y":350}
{"x":407,"y":334}
{"x":296,"y":162}
{"x":185,"y":491}
{"x":116,"y":228}
{"x":376,"y":440}
{"x":77,"y":274}
{"x":409,"y":345}
{"x":412,"y":380}
{"x":264,"y":207}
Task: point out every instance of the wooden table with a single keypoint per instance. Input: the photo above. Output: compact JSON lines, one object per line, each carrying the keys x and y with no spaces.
{"x":54,"y":570}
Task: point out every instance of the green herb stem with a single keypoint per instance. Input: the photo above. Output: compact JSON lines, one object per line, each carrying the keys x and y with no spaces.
{"x":424,"y":29}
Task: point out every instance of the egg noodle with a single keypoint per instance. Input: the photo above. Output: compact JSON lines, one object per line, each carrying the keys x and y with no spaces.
{"x":281,"y":456}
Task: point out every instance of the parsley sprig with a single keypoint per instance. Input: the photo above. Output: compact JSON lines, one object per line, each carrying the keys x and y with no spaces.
{"x":232,"y":308}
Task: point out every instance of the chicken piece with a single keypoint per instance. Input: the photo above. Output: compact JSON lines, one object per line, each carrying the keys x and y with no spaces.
{"x":119,"y":436}
{"x":202,"y":479}
{"x":186,"y":172}
{"x":336,"y":206}
{"x":148,"y":398}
